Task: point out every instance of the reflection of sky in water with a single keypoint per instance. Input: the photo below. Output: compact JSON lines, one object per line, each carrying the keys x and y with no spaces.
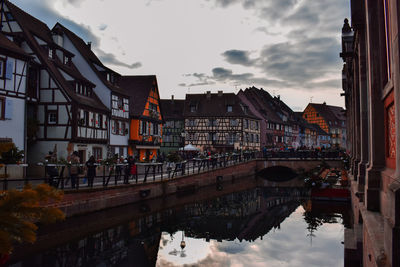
{"x":288,"y":246}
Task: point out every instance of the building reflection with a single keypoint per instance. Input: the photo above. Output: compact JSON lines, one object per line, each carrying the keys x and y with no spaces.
{"x":246,"y":215}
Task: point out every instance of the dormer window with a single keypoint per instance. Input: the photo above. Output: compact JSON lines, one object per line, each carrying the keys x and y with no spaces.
{"x":229,"y":108}
{"x":51,"y":53}
{"x":67,"y":60}
{"x":192,"y":108}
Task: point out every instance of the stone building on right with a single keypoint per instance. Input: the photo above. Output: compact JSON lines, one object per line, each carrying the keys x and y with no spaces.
{"x":370,"y":52}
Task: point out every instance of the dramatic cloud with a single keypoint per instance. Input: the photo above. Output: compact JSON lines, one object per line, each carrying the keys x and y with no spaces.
{"x":109,"y":58}
{"x":238,"y":57}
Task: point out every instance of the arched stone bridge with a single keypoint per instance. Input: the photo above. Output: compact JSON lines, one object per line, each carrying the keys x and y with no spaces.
{"x":297,"y":163}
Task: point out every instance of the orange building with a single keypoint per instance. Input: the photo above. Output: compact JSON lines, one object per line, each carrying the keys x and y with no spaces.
{"x":145,"y":116}
{"x":331,"y":119}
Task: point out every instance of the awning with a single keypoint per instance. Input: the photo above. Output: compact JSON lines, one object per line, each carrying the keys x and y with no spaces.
{"x":147,"y":147}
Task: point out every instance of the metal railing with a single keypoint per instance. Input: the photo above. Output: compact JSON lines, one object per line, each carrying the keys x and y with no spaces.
{"x":120,"y":174}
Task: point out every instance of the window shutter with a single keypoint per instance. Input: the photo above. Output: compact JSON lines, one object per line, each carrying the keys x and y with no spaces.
{"x":9,"y":69}
{"x":151,"y":128}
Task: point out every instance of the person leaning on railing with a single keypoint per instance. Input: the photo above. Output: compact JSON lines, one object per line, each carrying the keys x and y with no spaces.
{"x":74,"y":168}
{"x":91,"y":170}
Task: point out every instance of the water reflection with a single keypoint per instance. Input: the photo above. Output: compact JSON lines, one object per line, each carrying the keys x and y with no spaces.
{"x":260,"y":226}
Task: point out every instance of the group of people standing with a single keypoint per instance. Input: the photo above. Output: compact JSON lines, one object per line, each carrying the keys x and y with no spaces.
{"x":125,"y":168}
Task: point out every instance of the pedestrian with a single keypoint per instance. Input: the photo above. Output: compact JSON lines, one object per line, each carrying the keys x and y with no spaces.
{"x":91,"y":170}
{"x":132,"y":169}
{"x":51,"y":171}
{"x":74,"y":168}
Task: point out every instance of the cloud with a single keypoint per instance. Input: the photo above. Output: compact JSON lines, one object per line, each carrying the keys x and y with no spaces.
{"x":239,"y":57}
{"x":109,"y":58}
{"x":102,"y":27}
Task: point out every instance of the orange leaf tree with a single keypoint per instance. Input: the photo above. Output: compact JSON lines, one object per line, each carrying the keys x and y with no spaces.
{"x":20,"y":211}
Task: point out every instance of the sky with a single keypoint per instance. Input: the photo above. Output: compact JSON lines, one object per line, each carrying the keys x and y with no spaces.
{"x":288,"y":47}
{"x":289,"y":245}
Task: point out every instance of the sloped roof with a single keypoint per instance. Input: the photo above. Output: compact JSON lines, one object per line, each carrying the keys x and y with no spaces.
{"x":330,"y":113}
{"x":172,"y":109}
{"x":32,"y":26}
{"x":263,"y":103}
{"x":318,"y":129}
{"x":138,"y":88}
{"x":90,"y":58}
{"x":215,"y":105}
{"x":9,"y":46}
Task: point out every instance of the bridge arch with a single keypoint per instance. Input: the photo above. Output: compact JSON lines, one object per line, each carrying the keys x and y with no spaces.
{"x":277,"y":173}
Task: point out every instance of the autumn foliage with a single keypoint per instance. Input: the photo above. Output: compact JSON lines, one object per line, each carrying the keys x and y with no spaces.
{"x":21,"y":210}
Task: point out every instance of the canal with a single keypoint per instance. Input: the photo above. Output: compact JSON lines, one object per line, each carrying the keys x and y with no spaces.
{"x":254,"y":225}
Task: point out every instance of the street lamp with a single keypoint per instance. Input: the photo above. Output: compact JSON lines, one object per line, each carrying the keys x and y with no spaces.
{"x":347,"y":41}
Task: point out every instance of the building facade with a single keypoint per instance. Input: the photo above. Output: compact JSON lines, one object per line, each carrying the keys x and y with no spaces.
{"x":106,"y":86}
{"x":69,"y":114}
{"x":331,"y":119}
{"x":173,"y":131}
{"x":371,"y":84}
{"x":145,"y":116}
{"x":14,"y":63}
{"x":220,"y":122}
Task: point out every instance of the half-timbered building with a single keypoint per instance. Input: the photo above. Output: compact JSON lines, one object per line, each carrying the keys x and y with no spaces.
{"x":220,"y":122}
{"x":106,"y":81}
{"x":174,"y":124}
{"x":145,"y":116}
{"x":69,"y":113}
{"x":13,"y":70}
{"x":331,"y":119}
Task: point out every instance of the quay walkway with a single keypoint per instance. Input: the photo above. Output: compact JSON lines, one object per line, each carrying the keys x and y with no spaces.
{"x":115,"y":175}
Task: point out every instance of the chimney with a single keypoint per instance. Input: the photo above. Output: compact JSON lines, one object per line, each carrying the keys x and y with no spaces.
{"x":89,"y":45}
{"x":208,"y":94}
{"x":220,"y":93}
{"x":172,"y":97}
{"x":324,"y":103}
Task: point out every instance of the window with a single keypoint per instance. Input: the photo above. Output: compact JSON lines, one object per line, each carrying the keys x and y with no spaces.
{"x":51,"y":53}
{"x":52,"y":116}
{"x":257,"y":125}
{"x":100,"y":120}
{"x":2,"y":108}
{"x":123,"y":127}
{"x":120,"y":104}
{"x":233,"y":122}
{"x":97,"y":153}
{"x":246,"y":124}
{"x":212,"y":122}
{"x":67,"y":60}
{"x":192,"y":123}
{"x":2,"y":67}
{"x":116,"y":127}
{"x":212,"y":136}
{"x":229,"y":108}
{"x":155,"y":129}
{"x":86,"y":116}
{"x":192,"y":108}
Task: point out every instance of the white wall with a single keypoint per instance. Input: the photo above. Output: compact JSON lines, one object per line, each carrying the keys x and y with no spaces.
{"x":14,"y":128}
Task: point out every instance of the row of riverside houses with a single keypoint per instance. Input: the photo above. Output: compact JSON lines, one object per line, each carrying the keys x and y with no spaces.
{"x":56,"y":94}
{"x":252,"y":119}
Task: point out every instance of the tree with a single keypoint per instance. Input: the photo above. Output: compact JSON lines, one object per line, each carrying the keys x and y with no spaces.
{"x":20,"y":211}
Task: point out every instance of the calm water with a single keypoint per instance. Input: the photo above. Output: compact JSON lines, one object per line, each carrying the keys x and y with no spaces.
{"x":254,"y":227}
